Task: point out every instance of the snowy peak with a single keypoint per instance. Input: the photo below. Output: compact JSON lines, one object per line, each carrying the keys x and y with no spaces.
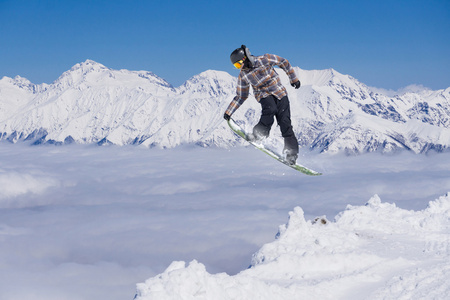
{"x":210,"y":82}
{"x":19,"y":83}
{"x":328,"y":77}
{"x":316,"y":77}
{"x":88,"y":71}
{"x":88,"y":66}
{"x":91,"y":73}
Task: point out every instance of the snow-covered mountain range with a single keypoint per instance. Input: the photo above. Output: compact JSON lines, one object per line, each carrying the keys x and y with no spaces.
{"x":331,"y":112}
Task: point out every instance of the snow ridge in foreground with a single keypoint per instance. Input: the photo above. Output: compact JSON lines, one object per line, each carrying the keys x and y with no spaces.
{"x":375,"y":251}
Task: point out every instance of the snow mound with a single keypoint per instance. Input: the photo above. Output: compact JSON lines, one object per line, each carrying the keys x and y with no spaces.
{"x":375,"y":251}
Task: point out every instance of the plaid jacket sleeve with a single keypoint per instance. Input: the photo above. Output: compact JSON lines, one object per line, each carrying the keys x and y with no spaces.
{"x":284,"y":64}
{"x":242,"y":91}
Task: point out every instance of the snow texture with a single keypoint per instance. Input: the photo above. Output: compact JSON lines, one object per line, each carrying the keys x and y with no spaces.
{"x":331,"y":112}
{"x":375,"y":251}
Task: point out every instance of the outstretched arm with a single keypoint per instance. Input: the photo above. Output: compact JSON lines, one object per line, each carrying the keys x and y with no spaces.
{"x":284,"y":64}
{"x":242,"y":91}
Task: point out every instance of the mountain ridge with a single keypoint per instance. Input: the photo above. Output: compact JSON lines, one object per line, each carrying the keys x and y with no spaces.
{"x":331,"y":112}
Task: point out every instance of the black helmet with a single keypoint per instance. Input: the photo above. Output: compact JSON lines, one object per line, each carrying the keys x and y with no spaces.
{"x":237,"y":55}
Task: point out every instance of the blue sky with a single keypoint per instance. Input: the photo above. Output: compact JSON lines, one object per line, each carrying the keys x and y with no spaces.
{"x":386,"y":44}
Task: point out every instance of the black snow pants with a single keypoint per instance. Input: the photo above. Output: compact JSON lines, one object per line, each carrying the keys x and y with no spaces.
{"x":272,"y":107}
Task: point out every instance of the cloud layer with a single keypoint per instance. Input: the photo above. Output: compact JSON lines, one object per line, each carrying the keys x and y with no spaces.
{"x":71,"y":215}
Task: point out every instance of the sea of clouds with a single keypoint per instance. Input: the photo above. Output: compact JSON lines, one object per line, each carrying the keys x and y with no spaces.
{"x":89,"y":222}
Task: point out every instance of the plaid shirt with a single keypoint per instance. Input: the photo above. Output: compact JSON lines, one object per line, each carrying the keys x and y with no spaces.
{"x":264,"y":80}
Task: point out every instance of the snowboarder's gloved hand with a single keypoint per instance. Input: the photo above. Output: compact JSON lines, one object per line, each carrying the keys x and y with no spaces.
{"x":226,"y":117}
{"x":296,"y":84}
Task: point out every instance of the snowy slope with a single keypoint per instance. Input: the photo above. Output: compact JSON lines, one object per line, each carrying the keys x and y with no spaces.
{"x":331,"y":112}
{"x":335,"y":112}
{"x":376,"y":251}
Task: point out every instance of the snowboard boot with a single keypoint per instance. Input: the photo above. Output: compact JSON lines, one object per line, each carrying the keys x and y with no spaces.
{"x":291,"y":158}
{"x":255,"y":138}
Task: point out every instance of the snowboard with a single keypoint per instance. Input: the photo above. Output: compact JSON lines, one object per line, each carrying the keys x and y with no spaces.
{"x":239,"y":131}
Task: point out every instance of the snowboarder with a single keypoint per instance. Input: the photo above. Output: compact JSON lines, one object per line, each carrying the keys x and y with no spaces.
{"x":258,"y":72}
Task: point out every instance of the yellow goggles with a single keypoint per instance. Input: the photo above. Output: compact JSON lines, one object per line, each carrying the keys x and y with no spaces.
{"x":238,"y":64}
